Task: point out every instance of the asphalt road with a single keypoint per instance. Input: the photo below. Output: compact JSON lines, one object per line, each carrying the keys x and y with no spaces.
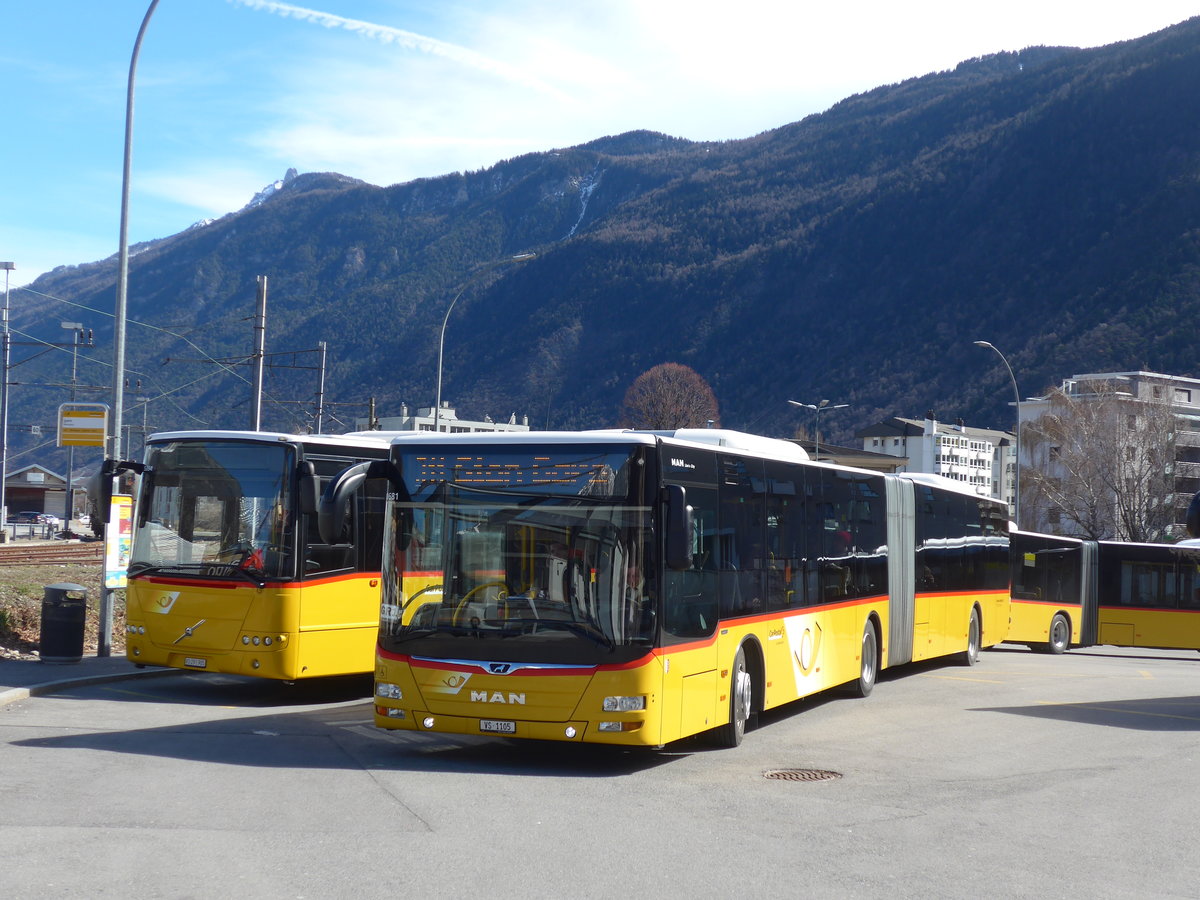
{"x":1025,"y":776}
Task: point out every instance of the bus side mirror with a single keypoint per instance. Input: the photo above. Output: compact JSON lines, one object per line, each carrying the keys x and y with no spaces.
{"x":331,"y":510}
{"x":1193,"y":516}
{"x":680,"y":526}
{"x":309,"y":486}
{"x":99,"y":488}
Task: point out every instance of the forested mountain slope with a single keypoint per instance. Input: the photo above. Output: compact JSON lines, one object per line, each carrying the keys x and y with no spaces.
{"x":1047,"y":201}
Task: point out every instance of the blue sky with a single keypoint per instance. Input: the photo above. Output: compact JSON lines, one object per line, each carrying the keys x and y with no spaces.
{"x":232,"y":93}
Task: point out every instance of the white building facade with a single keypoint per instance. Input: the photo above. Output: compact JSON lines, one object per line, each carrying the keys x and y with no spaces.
{"x":447,"y":422}
{"x":982,"y":458}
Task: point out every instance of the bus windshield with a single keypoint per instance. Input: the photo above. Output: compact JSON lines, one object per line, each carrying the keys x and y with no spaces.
{"x":521,"y":554}
{"x":216,"y":508}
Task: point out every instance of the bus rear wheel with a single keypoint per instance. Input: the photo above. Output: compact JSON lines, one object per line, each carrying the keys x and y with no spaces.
{"x":1060,"y":635}
{"x":974,"y":639}
{"x":741,"y":699}
{"x":868,"y":669}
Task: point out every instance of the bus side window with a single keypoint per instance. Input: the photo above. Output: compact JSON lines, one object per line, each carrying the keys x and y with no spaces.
{"x":741,"y":525}
{"x":320,"y":558}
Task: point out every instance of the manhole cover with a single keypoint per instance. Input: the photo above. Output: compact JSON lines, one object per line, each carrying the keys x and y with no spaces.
{"x":801,"y":775}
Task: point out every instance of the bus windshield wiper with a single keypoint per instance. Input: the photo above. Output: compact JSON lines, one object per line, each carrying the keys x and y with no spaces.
{"x":144,"y":568}
{"x":194,"y":569}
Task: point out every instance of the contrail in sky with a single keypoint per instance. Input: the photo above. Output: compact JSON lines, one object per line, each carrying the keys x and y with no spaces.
{"x":406,"y":39}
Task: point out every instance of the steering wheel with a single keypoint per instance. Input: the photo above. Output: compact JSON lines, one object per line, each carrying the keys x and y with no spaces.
{"x":462,"y":604}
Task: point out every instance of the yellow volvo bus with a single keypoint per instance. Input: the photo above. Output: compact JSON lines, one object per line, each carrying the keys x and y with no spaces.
{"x":228,"y":572}
{"x":1070,"y":592}
{"x":636,"y":588}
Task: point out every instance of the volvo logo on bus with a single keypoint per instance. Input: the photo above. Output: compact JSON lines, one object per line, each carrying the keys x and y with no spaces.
{"x":497,"y":697}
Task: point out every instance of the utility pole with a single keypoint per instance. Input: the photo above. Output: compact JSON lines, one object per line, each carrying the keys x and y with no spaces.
{"x":8,"y":268}
{"x":321,"y":390}
{"x":260,"y":343}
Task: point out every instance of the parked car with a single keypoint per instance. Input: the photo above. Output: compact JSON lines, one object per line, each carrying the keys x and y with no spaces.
{"x":33,"y":517}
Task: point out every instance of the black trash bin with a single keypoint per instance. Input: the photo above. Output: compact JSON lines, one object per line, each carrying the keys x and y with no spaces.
{"x":64,"y":608}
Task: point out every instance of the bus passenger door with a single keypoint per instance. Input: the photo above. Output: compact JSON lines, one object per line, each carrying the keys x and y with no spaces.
{"x":689,"y":653}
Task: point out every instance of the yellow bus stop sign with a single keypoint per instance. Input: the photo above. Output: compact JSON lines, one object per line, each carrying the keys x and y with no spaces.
{"x":82,"y":424}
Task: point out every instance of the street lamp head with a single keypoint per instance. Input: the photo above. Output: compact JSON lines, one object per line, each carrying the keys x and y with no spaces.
{"x":984,"y":344}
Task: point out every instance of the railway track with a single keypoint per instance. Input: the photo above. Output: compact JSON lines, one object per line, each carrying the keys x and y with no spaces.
{"x":51,"y":553}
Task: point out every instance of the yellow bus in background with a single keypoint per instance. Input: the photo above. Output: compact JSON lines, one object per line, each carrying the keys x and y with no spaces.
{"x":228,"y":572}
{"x":637,"y":588}
{"x":1071,"y":592}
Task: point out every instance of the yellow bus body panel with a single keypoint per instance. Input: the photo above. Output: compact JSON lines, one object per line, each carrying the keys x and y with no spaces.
{"x":1124,"y":626}
{"x":315,"y":629}
{"x":1031,"y":621}
{"x":686,"y":686}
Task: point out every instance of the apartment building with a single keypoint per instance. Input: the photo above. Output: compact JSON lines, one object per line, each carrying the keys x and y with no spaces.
{"x":983,"y":458}
{"x":1133,"y":401}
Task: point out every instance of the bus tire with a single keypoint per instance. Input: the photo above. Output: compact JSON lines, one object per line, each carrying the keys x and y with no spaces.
{"x":868,"y":669}
{"x":1060,"y":635}
{"x":741,"y":702}
{"x":970,"y":656}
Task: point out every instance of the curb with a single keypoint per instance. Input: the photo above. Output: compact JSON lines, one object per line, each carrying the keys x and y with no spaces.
{"x":14,"y":695}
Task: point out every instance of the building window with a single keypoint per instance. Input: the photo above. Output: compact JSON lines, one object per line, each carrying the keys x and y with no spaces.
{"x":1182,"y":395}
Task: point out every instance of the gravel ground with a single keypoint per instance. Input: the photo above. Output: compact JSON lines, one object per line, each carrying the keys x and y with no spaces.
{"x":22,"y":589}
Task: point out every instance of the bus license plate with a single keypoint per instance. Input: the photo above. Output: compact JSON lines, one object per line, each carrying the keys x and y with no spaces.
{"x":197,"y":663}
{"x":498,"y":726}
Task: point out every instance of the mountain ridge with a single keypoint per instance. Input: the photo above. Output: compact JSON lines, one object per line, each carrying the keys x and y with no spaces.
{"x":1044,"y":200}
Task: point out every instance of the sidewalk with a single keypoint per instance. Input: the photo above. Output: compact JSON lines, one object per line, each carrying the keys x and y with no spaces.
{"x":21,"y":679}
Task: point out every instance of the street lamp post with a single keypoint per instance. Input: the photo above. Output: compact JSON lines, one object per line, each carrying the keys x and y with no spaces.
{"x":7,"y":339}
{"x":104,"y":643}
{"x":816,"y":408}
{"x":520,"y":257}
{"x":1017,"y":467}
{"x":123,"y":251}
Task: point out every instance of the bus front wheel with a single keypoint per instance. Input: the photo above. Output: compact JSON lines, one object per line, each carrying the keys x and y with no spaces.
{"x":1060,"y":635}
{"x":741,"y":698}
{"x":869,"y":663}
{"x":974,"y":639}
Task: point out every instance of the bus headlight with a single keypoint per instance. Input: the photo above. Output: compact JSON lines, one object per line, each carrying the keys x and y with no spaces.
{"x":388,"y":691}
{"x":624,"y":704}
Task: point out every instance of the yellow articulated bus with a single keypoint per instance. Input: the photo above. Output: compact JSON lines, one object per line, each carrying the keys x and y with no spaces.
{"x":1070,"y":592}
{"x":228,"y":572}
{"x":636,"y":588}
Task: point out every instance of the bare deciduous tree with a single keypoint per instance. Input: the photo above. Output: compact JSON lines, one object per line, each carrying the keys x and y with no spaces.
{"x":670,"y":396}
{"x":1101,"y":462}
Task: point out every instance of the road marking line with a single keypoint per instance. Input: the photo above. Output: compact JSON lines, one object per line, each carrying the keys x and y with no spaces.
{"x":961,"y":678}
